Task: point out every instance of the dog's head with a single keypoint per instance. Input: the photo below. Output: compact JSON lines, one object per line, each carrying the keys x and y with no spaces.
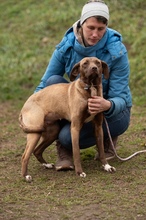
{"x":90,"y":69}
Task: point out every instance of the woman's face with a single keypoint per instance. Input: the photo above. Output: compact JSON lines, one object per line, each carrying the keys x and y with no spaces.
{"x":93,"y":31}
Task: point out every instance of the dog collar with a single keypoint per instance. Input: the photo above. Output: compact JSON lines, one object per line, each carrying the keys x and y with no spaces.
{"x":86,"y":87}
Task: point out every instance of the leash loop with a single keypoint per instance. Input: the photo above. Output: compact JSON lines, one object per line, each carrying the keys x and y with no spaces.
{"x":120,"y":158}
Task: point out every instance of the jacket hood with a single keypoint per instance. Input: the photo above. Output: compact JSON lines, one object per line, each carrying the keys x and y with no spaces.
{"x":73,"y":37}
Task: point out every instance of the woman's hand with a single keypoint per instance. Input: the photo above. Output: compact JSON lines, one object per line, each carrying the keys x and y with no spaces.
{"x":98,"y":104}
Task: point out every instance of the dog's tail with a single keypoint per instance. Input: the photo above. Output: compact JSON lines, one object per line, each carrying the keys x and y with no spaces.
{"x":30,"y":128}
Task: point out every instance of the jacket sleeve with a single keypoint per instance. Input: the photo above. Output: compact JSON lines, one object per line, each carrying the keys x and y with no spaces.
{"x":56,"y":66}
{"x":119,"y":93}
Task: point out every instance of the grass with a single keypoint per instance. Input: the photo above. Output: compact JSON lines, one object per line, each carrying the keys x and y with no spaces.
{"x":29,"y":32}
{"x":31,"y":29}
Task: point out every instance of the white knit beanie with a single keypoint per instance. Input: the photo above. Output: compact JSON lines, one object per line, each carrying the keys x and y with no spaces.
{"x":94,"y":9}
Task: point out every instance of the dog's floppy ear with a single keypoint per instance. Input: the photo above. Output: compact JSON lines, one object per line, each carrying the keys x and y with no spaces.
{"x":75,"y":71}
{"x":105,"y":70}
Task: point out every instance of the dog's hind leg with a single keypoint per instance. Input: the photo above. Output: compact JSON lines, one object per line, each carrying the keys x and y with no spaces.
{"x":48,"y":137}
{"x":32,"y":140}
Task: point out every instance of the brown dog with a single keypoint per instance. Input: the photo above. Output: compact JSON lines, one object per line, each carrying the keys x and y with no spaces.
{"x":41,"y":112}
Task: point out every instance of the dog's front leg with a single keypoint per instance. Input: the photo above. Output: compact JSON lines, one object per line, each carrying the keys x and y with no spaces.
{"x":76,"y":150}
{"x":99,"y":143}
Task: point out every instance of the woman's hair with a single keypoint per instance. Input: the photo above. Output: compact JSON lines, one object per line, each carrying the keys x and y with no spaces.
{"x":101,"y":19}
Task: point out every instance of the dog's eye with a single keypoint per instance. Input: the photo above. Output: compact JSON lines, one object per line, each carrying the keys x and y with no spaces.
{"x":85,"y":63}
{"x":97,"y":63}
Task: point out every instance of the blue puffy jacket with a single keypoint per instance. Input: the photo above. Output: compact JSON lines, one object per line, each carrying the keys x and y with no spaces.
{"x":109,"y":49}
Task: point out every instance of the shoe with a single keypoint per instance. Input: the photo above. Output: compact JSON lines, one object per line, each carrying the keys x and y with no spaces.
{"x":65,"y":159}
{"x":109,"y":153}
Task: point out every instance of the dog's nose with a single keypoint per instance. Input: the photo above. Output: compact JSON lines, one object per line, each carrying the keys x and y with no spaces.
{"x":94,"y":68}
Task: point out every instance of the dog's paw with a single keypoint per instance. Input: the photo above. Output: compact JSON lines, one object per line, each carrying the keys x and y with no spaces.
{"x":28,"y":178}
{"x":109,"y":168}
{"x":48,"y":165}
{"x":83,"y":174}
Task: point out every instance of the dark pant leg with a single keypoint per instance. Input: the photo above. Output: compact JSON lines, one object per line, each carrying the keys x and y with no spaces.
{"x":117,"y":125}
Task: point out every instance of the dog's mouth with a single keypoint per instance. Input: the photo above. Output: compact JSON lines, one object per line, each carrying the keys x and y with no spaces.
{"x":92,"y":76}
{"x":90,"y":80}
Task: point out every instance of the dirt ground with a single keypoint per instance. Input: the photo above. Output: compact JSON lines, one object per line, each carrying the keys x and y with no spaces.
{"x":61,"y":196}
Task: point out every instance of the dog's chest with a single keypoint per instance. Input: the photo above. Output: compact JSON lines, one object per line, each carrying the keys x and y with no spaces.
{"x":93,"y":91}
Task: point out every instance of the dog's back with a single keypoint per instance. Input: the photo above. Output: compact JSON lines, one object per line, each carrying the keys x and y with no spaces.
{"x":55,"y":102}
